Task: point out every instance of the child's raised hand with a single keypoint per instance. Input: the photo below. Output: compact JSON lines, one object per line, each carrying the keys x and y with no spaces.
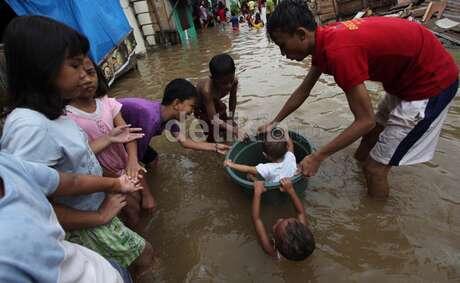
{"x":286,"y":185}
{"x":134,"y":170}
{"x":125,"y":134}
{"x":128,"y":185}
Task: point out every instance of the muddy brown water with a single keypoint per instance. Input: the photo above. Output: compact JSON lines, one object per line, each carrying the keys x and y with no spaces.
{"x":203,"y":229}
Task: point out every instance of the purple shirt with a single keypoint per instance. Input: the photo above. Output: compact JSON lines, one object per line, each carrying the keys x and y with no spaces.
{"x":145,"y":114}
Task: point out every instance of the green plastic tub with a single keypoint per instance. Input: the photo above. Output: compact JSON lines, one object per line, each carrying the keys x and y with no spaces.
{"x":250,"y":153}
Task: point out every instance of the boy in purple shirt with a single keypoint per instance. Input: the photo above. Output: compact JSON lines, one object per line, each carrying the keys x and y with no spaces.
{"x":153,"y":117}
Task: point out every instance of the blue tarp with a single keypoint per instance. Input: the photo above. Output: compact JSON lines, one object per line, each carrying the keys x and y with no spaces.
{"x":102,"y":21}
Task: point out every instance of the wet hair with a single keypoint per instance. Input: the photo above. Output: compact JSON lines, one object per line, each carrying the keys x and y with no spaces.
{"x":289,"y":15}
{"x":275,"y":149}
{"x":35,"y":49}
{"x":221,"y":65}
{"x":296,"y":243}
{"x":275,"y":144}
{"x":180,"y":89}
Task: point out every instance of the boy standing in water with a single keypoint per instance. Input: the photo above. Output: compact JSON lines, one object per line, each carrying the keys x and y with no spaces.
{"x":211,"y":109}
{"x":418,"y":74}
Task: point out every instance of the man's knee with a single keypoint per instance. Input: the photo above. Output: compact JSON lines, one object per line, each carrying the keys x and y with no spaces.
{"x":375,"y":168}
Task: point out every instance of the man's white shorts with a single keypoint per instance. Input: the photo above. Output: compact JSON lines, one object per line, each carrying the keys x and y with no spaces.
{"x":411,"y":128}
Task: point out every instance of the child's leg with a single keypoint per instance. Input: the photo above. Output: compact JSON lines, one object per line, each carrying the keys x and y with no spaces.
{"x":132,"y":211}
{"x":144,"y":263}
{"x":150,"y":158}
{"x":148,"y":202}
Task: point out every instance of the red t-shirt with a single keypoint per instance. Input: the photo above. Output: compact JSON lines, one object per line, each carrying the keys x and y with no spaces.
{"x":221,"y":15}
{"x":406,"y":57}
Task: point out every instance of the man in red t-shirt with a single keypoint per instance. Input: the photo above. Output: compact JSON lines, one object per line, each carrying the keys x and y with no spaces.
{"x":418,"y":74}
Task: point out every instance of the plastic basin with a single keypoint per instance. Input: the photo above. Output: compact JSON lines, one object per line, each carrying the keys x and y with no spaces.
{"x":250,"y":153}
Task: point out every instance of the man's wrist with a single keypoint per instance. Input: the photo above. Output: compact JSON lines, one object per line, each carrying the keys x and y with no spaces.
{"x":319,"y":155}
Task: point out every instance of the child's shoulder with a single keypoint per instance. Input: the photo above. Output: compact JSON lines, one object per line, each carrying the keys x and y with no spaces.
{"x":136,"y":102}
{"x":203,"y":86}
{"x":21,"y":117}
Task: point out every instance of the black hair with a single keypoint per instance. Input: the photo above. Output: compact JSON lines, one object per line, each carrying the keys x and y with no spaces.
{"x":35,"y":49}
{"x":289,"y":15}
{"x":275,"y":149}
{"x":178,"y":89}
{"x":297,"y":243}
{"x":221,"y":65}
{"x":102,"y":87}
{"x":275,"y":144}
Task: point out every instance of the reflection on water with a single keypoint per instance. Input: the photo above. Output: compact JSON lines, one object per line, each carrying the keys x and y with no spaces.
{"x":203,"y":228}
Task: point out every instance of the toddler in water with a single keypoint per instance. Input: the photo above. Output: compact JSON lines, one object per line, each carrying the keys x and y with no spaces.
{"x":98,"y":115}
{"x":292,"y":239}
{"x":278,"y":148}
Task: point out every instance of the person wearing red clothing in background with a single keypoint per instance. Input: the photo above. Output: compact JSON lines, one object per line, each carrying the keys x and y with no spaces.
{"x":419,"y":76}
{"x":221,"y":15}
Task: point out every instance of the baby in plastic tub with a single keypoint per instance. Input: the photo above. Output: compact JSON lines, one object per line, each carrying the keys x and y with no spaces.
{"x":278,"y":148}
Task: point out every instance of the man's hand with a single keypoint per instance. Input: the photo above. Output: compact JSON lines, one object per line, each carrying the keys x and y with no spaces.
{"x":267,"y":128}
{"x":310,"y":164}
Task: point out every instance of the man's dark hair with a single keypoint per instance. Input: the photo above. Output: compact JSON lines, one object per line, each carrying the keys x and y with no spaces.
{"x":289,"y":15}
{"x":178,"y":89}
{"x":297,"y":243}
{"x":35,"y":49}
{"x":221,"y":65}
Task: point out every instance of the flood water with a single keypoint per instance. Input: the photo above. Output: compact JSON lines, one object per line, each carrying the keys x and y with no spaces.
{"x":202,"y":228}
